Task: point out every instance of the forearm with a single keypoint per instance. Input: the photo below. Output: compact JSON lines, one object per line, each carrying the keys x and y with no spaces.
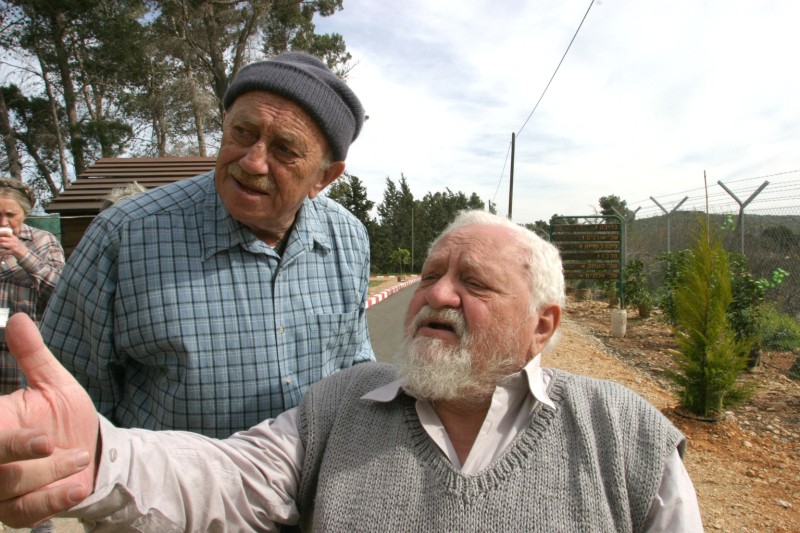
{"x":159,"y":481}
{"x":364,"y":352}
{"x":78,"y":323}
{"x":44,"y":270}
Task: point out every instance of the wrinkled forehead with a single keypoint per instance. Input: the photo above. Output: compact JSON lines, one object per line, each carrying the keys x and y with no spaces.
{"x":260,"y":108}
{"x":478,"y":246}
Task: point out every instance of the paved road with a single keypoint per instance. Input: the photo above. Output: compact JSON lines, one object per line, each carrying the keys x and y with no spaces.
{"x":385,"y":321}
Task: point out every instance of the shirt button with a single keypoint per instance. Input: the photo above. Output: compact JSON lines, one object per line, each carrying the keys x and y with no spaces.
{"x":112,"y":454}
{"x":280,"y":330}
{"x":288,"y":381}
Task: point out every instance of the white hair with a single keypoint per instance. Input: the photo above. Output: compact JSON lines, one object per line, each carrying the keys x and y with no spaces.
{"x":123,"y":193}
{"x":546,"y":274}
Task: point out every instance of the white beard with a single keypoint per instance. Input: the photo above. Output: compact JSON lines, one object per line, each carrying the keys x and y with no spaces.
{"x":433,"y":370}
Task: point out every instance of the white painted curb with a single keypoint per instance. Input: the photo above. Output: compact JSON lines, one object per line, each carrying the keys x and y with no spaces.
{"x":372,"y":300}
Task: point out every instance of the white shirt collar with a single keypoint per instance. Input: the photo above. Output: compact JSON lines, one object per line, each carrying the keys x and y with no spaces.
{"x":531,"y":374}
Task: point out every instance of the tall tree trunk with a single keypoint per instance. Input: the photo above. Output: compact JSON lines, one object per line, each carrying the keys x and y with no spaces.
{"x":199,"y":117}
{"x":41,"y":166}
{"x":216,"y":55}
{"x":10,"y":144}
{"x":62,"y":149}
{"x":76,"y":141}
{"x":160,"y":134}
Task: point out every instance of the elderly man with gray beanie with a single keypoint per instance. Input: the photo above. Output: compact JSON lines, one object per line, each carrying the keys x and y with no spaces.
{"x":212,"y":303}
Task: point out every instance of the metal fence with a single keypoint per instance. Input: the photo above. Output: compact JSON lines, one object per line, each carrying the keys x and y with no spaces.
{"x":766,"y":229}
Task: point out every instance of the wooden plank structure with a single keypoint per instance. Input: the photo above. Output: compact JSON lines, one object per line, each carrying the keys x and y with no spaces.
{"x":84,"y":198}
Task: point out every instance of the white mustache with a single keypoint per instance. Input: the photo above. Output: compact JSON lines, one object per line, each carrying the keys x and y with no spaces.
{"x":259,"y":182}
{"x":448,"y":316}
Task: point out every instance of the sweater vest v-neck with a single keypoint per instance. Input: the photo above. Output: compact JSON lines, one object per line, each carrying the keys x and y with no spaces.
{"x":592,"y":464}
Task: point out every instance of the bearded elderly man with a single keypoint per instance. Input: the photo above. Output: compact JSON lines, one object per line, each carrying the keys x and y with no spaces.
{"x":213,"y":303}
{"x":467,"y":433}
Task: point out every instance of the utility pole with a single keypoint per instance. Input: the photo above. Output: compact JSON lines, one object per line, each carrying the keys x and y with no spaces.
{"x":412,"y":239}
{"x":511,"y":180}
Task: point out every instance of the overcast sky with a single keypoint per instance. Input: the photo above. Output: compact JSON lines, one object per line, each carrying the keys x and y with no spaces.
{"x":651,"y":94}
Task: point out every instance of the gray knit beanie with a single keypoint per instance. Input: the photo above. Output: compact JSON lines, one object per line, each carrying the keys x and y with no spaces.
{"x":308,"y":82}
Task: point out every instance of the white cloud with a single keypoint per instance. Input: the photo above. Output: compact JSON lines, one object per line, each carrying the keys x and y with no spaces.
{"x":651,"y":94}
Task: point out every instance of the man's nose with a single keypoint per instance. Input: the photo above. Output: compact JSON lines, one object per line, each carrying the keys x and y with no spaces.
{"x":444,"y":293}
{"x":255,"y":160}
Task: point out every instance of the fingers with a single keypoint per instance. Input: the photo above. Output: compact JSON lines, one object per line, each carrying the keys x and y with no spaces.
{"x":19,"y":445}
{"x":21,"y":477}
{"x":35,"y":360}
{"x":30,"y":490}
{"x":35,"y":507}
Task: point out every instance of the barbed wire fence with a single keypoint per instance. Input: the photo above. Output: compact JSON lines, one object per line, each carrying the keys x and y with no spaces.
{"x":758,"y":217}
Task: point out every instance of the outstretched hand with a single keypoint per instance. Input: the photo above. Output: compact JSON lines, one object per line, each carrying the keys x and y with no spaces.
{"x":48,"y":434}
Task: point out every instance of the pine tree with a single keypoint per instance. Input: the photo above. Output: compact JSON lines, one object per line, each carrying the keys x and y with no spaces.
{"x":710,"y":358}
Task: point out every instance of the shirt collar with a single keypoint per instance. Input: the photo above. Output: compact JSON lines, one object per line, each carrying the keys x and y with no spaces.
{"x":25,"y":233}
{"x":308,"y":230}
{"x":223,"y":232}
{"x":531,"y":377}
{"x":220,"y":230}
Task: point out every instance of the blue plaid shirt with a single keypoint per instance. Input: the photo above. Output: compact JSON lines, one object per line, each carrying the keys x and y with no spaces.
{"x":174,"y":316}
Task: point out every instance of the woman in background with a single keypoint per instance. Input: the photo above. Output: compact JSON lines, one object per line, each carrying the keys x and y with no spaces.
{"x":30,"y":264}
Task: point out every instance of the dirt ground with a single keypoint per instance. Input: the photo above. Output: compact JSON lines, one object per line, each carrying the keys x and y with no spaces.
{"x":746,"y":467}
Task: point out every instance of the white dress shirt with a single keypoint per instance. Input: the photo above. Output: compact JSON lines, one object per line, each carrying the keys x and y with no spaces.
{"x":138,"y":468}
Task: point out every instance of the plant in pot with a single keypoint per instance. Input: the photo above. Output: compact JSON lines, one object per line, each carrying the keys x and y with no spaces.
{"x":583,"y":291}
{"x":637,"y":292}
{"x":610,"y":290}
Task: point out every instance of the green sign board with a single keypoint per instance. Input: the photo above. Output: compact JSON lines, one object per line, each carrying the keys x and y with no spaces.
{"x":590,"y":251}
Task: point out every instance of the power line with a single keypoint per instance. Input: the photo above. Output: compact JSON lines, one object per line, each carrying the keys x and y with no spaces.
{"x":558,"y":67}
{"x":500,"y":181}
{"x":766,"y":176}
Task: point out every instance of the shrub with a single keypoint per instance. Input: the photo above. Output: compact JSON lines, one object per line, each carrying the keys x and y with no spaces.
{"x":794,"y":372}
{"x":637,"y":292}
{"x":672,"y":264}
{"x":779,"y":331}
{"x":611,"y":290}
{"x":745,"y":310}
{"x":710,"y":358}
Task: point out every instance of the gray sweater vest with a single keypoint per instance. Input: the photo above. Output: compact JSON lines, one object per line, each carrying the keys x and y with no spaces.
{"x":592,"y":464}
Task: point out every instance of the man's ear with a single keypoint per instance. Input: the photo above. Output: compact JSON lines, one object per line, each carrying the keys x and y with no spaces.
{"x":549,"y":317}
{"x":327,"y":177}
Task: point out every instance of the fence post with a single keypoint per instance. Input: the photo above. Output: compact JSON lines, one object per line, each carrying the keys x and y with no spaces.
{"x":669,"y":213}
{"x":742,"y":205}
{"x":625,"y":220}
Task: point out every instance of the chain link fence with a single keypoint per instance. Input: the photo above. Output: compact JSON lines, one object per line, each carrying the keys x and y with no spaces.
{"x":766,"y":230}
